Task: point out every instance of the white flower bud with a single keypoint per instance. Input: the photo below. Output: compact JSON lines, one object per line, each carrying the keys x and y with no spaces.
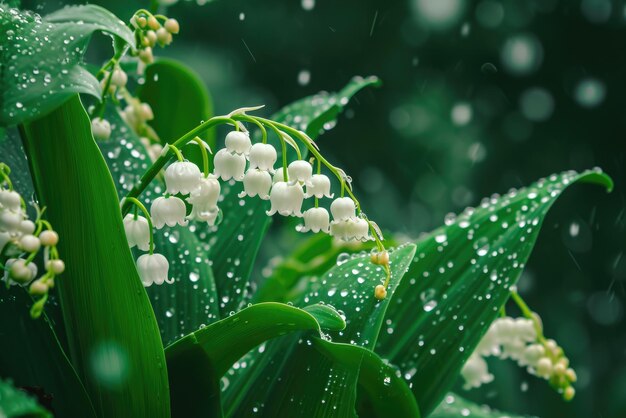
{"x":38,"y":287}
{"x":182,"y":177}
{"x":238,"y":142}
{"x":257,"y":182}
{"x":315,"y":220}
{"x":533,"y":353}
{"x":10,"y":200}
{"x":137,"y":232}
{"x":49,"y":238}
{"x":56,"y":266}
{"x":475,"y":372}
{"x":164,"y":37}
{"x":229,"y":165}
{"x":286,"y":199}
{"x":168,"y":210}
{"x":119,"y":77}
{"x":544,"y":367}
{"x":153,"y":268}
{"x":20,"y":272}
{"x":27,"y":227}
{"x":300,"y":170}
{"x":101,"y":129}
{"x":172,"y":26}
{"x":30,"y":243}
{"x":153,"y":23}
{"x":10,"y":221}
{"x":342,"y":208}
{"x":319,"y":187}
{"x":145,"y":55}
{"x":146,"y":112}
{"x":205,"y":196}
{"x":263,"y":157}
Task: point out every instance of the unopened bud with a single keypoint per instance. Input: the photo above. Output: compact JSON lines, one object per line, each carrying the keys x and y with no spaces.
{"x":172,"y":26}
{"x":163,"y":37}
{"x":569,"y":393}
{"x":380,"y":292}
{"x":571,"y":375}
{"x":49,"y":238}
{"x":38,"y":287}
{"x":141,"y":21}
{"x":380,"y":258}
{"x":56,"y":266}
{"x":145,"y":55}
{"x":30,"y":243}
{"x":119,"y":78}
{"x":153,"y":23}
{"x":152,"y":37}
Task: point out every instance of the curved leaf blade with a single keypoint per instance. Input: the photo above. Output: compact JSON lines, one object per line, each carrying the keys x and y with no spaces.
{"x":454,"y":406}
{"x":15,"y":403}
{"x":460,"y":278}
{"x":108,"y":317}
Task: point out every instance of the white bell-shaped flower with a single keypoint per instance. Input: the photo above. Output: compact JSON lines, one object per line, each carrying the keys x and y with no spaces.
{"x":10,"y":200}
{"x":137,"y":232}
{"x":101,"y":129}
{"x":279,"y":175}
{"x":153,"y":268}
{"x":475,"y":372}
{"x":205,"y":196}
{"x":301,"y":171}
{"x":315,"y":220}
{"x":286,"y":199}
{"x":263,"y":157}
{"x":238,"y":142}
{"x":352,"y":229}
{"x":319,"y":187}
{"x":5,"y":238}
{"x":10,"y":221}
{"x":168,"y":210}
{"x":201,"y":214}
{"x":18,"y":272}
{"x":182,"y":177}
{"x":229,"y":165}
{"x":257,"y":182}
{"x":342,"y":208}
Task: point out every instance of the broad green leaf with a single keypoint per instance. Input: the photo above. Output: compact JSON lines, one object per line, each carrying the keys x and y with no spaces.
{"x":15,"y":403}
{"x":191,"y":302}
{"x":32,"y":357}
{"x":42,"y":58}
{"x":461,"y":276}
{"x":112,"y":332}
{"x":386,"y":393}
{"x":180,"y":102}
{"x":270,"y":382}
{"x":197,"y":361}
{"x":454,"y":406}
{"x":235,"y":244}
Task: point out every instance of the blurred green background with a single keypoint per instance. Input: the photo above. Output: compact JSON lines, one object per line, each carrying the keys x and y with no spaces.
{"x":478,"y":97}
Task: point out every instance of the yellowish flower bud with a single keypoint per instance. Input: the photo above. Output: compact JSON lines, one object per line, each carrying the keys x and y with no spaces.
{"x":172,"y":26}
{"x":153,"y":23}
{"x":49,"y":238}
{"x":380,"y":292}
{"x":380,"y":258}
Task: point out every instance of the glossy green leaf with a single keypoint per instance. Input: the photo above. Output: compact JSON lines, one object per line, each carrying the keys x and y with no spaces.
{"x":15,"y":403}
{"x":180,"y":102}
{"x":50,"y":49}
{"x":385,"y":392}
{"x":32,"y":356}
{"x":197,"y":361}
{"x":454,"y":406}
{"x":192,"y":301}
{"x":112,"y":332}
{"x":460,"y":278}
{"x":270,"y":383}
{"x":235,"y":244}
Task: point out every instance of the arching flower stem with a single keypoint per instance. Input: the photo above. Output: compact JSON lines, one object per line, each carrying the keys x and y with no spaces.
{"x":205,"y":156}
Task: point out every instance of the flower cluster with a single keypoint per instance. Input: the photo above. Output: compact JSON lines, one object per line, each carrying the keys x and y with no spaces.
{"x":286,"y":188}
{"x":151,"y":30}
{"x":21,"y":240}
{"x":520,"y":340}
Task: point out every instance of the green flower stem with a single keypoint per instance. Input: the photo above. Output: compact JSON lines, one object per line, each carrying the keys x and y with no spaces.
{"x":140,"y":205}
{"x":160,"y":162}
{"x":179,"y":155}
{"x":528,"y":314}
{"x":247,"y":118}
{"x":280,"y":136}
{"x":205,"y":155}
{"x":5,"y":170}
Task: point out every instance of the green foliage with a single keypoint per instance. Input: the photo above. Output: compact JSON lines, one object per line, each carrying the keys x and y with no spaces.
{"x":15,"y":403}
{"x":462,"y":275}
{"x":112,"y":334}
{"x":49,"y":69}
{"x":455,"y":406}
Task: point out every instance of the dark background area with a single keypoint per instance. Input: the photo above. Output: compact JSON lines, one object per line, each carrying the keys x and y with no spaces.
{"x":478,"y":97}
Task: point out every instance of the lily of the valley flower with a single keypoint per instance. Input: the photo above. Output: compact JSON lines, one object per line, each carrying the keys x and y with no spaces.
{"x":342,"y":208}
{"x":182,"y":177}
{"x":101,"y":129}
{"x":153,"y":268}
{"x":10,"y":200}
{"x":263,"y":157}
{"x":229,"y":165}
{"x":137,"y":232}
{"x":200,"y":214}
{"x":286,"y":199}
{"x":301,"y":171}
{"x":168,"y":210}
{"x":256,"y":182}
{"x":351,"y":229}
{"x":206,"y":194}
{"x":10,"y":221}
{"x":319,"y":187}
{"x":315,"y":220}
{"x":238,"y":142}
{"x":19,"y":272}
